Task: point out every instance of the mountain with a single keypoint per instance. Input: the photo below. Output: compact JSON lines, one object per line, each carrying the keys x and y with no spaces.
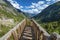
{"x":49,"y":18}
{"x":8,"y":11}
{"x":51,"y":13}
{"x":29,"y":15}
{"x":9,"y":17}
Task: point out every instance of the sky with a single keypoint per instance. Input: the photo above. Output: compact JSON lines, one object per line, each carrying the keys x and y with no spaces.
{"x":32,"y":6}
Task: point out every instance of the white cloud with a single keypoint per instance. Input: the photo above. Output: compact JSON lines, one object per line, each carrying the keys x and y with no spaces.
{"x":48,"y":0}
{"x":41,"y":2}
{"x":15,"y":4}
{"x":28,"y":11}
{"x":40,"y":8}
{"x":21,"y":7}
{"x":36,"y":10}
{"x":45,"y":5}
{"x":38,"y":4}
{"x":32,"y":11}
{"x":36,"y":7}
{"x":35,"y":4}
{"x":33,"y":8}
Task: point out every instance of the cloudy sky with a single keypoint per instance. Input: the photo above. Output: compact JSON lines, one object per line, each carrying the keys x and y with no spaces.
{"x":32,"y":6}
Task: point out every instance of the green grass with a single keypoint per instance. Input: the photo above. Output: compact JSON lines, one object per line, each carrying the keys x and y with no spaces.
{"x":51,"y":27}
{"x":9,"y":15}
{"x":12,"y":38}
{"x":4,"y":30}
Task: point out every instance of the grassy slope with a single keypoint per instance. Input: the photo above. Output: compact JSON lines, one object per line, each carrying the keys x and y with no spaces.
{"x":52,"y":27}
{"x":6,"y":13}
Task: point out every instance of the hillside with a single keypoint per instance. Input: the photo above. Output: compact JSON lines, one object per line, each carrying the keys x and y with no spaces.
{"x":49,"y":18}
{"x":51,"y":13}
{"x":9,"y":17}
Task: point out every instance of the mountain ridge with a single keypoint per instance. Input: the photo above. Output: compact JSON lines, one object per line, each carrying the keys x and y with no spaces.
{"x":51,"y":13}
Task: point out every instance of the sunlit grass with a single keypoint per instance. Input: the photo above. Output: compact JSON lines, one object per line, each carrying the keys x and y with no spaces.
{"x":51,"y":27}
{"x":4,"y":30}
{"x":9,"y":15}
